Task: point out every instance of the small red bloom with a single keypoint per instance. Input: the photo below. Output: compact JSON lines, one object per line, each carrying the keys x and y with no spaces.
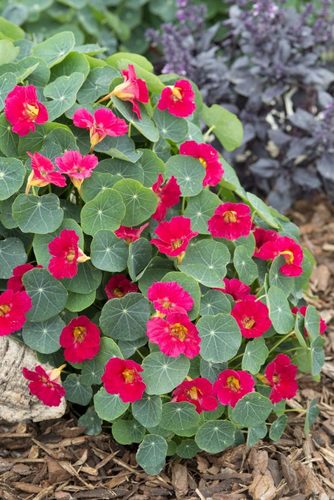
{"x":302,"y":311}
{"x":289,"y":249}
{"x":169,"y":297}
{"x":118,"y":286}
{"x":232,"y":385}
{"x":281,"y":376}
{"x":236,"y":288}
{"x":130,"y":234}
{"x":209,"y":158}
{"x":80,"y":340}
{"x":178,"y":99}
{"x":13,"y":309}
{"x":262,"y":236}
{"x":104,"y":122}
{"x":174,"y":236}
{"x":199,"y":392}
{"x":252,"y":317}
{"x":122,"y":377}
{"x":23,"y":109}
{"x":77,"y":166}
{"x":169,"y":195}
{"x":231,"y":221}
{"x":133,"y":89}
{"x":15,"y":281}
{"x":66,"y":254}
{"x":43,"y":172}
{"x":175,"y":335}
{"x":45,"y":385}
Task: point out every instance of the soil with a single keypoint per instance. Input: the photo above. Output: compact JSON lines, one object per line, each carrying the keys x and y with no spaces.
{"x":55,"y":460}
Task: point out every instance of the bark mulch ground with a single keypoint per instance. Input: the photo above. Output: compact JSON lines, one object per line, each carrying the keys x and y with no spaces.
{"x":55,"y":460}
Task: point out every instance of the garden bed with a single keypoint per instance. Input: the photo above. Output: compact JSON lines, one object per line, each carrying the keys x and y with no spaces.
{"x":55,"y":460}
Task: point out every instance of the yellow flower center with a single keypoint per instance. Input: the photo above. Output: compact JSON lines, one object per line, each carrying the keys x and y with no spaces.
{"x":288,"y":256}
{"x":176,"y":244}
{"x":233,"y":383}
{"x":203,"y":162}
{"x":179,"y":331}
{"x":177,"y":93}
{"x":118,"y":292}
{"x":276,"y":379}
{"x":70,"y":256}
{"x":4,"y":309}
{"x":166,"y":303}
{"x":31,"y":111}
{"x":248,"y":323}
{"x":230,"y":216}
{"x":194,"y":392}
{"x":79,"y":333}
{"x":129,"y":375}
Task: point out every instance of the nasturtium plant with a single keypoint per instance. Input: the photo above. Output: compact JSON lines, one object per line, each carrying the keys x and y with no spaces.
{"x":167,"y":299}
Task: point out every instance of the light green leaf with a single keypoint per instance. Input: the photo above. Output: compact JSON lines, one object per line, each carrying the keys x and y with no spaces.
{"x":104,"y":212}
{"x":77,"y":302}
{"x":221,"y":337}
{"x":73,"y":63}
{"x":152,"y":166}
{"x":200,"y":209}
{"x":43,"y":336}
{"x":244,"y":265}
{"x":151,"y":454}
{"x":215,"y":436}
{"x":255,"y":355}
{"x":76,"y":392}
{"x":62,"y":92}
{"x":162,"y":374}
{"x":8,"y":51}
{"x":86,"y":280}
{"x":109,"y":406}
{"x":144,"y":125}
{"x":140,"y":202}
{"x":155,"y":271}
{"x":277,"y":427}
{"x":119,"y":147}
{"x":252,"y":410}
{"x":276,"y":278}
{"x":8,"y":140}
{"x":7,"y":83}
{"x":97,"y":183}
{"x":214,"y":302}
{"x":227,"y":127}
{"x":55,"y":49}
{"x":92,"y":370}
{"x":38,"y":214}
{"x":206,"y":261}
{"x":127,"y":431}
{"x":211,"y":370}
{"x":255,"y":434}
{"x":148,"y":410}
{"x":312,"y":322}
{"x":187,"y":449}
{"x":311,"y":416}
{"x":317,"y":355}
{"x":188,"y":172}
{"x":279,"y":310}
{"x":179,"y":417}
{"x":171,"y":127}
{"x":96,"y":85}
{"x":140,"y":253}
{"x":263,"y":210}
{"x":90,"y":422}
{"x":12,"y":254}
{"x":108,"y":252}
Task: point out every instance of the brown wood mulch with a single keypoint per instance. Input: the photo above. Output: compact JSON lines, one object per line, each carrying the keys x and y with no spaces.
{"x":55,"y":460}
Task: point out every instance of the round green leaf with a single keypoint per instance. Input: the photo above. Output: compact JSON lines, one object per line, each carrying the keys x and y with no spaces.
{"x":206,"y":261}
{"x":97,"y":84}
{"x":12,"y":254}
{"x":62,"y":92}
{"x":220,"y":337}
{"x":104,"y":212}
{"x":179,"y":417}
{"x":8,"y":140}
{"x":252,"y":410}
{"x":127,"y":431}
{"x":38,"y":214}
{"x":187,"y":448}
{"x":256,"y":433}
{"x":48,"y":295}
{"x":92,"y":370}
{"x":227,"y":126}
{"x":109,"y":406}
{"x":215,"y":436}
{"x":188,"y":172}
{"x":125,"y":318}
{"x":119,"y":147}
{"x":162,"y":374}
{"x":244,"y":265}
{"x":7,"y":83}
{"x":140,"y":202}
{"x":211,"y":370}
{"x":151,"y":454}
{"x":122,"y":169}
{"x":148,"y":410}
{"x":140,"y":253}
{"x":86,"y":280}
{"x":76,"y":392}
{"x":255,"y":355}
{"x":277,"y":427}
{"x":317,"y":355}
{"x":155,"y":271}
{"x":43,"y":336}
{"x":312,"y":322}
{"x":152,"y":166}
{"x":95,"y":184}
{"x":108,"y":252}
{"x":279,"y":310}
{"x":90,"y":422}
{"x":276,"y":278}
{"x":200,"y":209}
{"x":12,"y":174}
{"x":214,"y":302}
{"x":144,"y":125}
{"x":77,"y":302}
{"x":55,"y":49}
{"x":171,"y":127}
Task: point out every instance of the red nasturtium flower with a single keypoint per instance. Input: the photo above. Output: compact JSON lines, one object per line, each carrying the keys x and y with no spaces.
{"x":23,"y":109}
{"x":80,"y":340}
{"x":281,"y":376}
{"x":174,"y":236}
{"x":168,"y":194}
{"x":43,"y":172}
{"x":130,"y":234}
{"x":230,"y":221}
{"x":175,"y":335}
{"x":262,"y":236}
{"x":77,"y":166}
{"x":302,"y":311}
{"x":199,"y":392}
{"x":104,"y":122}
{"x":133,"y":90}
{"x":15,"y":281}
{"x":122,"y":377}
{"x":209,"y":158}
{"x":169,"y":297}
{"x":118,"y":286}
{"x":236,"y":288}
{"x":45,"y":385}
{"x":178,"y":99}
{"x":232,"y":385}
{"x":13,"y":309}
{"x":252,"y":317}
{"x":289,"y":249}
{"x":65,"y":254}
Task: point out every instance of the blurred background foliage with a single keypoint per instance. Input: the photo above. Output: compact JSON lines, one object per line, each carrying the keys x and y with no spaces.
{"x":270,"y":62}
